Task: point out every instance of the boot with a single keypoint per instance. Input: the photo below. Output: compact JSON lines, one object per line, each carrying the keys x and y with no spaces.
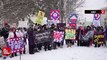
{"x":4,"y":57}
{"x":20,"y":52}
{"x":70,"y":45}
{"x":12,"y":55}
{"x":15,"y":54}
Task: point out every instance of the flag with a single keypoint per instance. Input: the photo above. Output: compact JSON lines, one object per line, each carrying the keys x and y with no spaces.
{"x":96,"y":20}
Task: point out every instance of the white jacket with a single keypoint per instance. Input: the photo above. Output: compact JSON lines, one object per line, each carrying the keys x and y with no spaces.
{"x":11,"y":35}
{"x":21,"y":33}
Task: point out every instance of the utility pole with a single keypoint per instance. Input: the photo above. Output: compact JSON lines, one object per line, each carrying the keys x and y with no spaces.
{"x":61,"y":4}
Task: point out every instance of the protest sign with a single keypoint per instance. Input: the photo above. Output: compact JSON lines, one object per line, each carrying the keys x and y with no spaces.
{"x":99,"y":38}
{"x":16,"y":44}
{"x":70,"y":34}
{"x":41,"y":37}
{"x":58,"y":36}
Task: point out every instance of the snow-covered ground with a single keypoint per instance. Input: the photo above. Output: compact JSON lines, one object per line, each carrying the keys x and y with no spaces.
{"x":73,"y":53}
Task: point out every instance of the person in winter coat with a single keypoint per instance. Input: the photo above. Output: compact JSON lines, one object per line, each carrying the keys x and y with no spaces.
{"x":106,"y":37}
{"x":62,"y":29}
{"x":40,"y":43}
{"x":20,"y":34}
{"x":99,"y":37}
{"x":54,"y":44}
{"x":69,"y":42}
{"x":31,"y":39}
{"x":2,"y":44}
{"x":79,"y":33}
{"x":12,"y":34}
{"x":5,"y":31}
{"x":24,"y":31}
{"x":47,"y":45}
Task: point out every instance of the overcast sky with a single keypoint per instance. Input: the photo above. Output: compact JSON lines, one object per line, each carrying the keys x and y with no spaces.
{"x":93,"y":5}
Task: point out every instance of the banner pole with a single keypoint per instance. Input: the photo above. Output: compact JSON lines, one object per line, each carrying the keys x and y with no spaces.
{"x":20,"y":56}
{"x":20,"y":52}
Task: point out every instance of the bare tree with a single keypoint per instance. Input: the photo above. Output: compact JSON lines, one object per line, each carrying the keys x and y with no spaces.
{"x":71,"y":6}
{"x":14,"y":10}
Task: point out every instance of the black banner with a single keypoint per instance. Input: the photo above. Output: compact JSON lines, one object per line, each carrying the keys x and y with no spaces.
{"x":41,"y":37}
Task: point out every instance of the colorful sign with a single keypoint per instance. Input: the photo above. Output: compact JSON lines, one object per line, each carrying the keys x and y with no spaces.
{"x":97,"y":16}
{"x":6,"y":51}
{"x":72,"y":20}
{"x":70,"y":34}
{"x":55,"y":15}
{"x":41,"y":13}
{"x":96,"y":20}
{"x":16,"y":44}
{"x":58,"y":36}
{"x":99,"y":38}
{"x":39,"y":18}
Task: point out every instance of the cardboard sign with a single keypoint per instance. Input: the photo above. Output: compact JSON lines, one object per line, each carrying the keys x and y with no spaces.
{"x":70,"y":34}
{"x":16,"y":44}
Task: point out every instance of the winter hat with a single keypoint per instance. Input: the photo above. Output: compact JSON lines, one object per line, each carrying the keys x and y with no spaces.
{"x":5,"y":23}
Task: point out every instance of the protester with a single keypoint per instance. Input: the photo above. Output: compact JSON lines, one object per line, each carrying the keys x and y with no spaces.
{"x":55,"y":44}
{"x":51,"y":36}
{"x":24,"y":31}
{"x":61,"y":29}
{"x":40,"y":43}
{"x":47,"y":45}
{"x":99,"y":37}
{"x":22,"y":37}
{"x":79,"y":34}
{"x":84,"y":37}
{"x":2,"y":44}
{"x":12,"y":34}
{"x":5,"y":31}
{"x":106,"y":37}
{"x":31,"y":39}
{"x":88,"y":37}
{"x":69,"y":41}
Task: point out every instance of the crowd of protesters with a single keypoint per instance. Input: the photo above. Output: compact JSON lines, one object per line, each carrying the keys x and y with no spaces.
{"x":84,"y":37}
{"x":8,"y":32}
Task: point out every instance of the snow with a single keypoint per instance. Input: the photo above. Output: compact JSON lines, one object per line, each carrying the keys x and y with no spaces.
{"x":73,"y":53}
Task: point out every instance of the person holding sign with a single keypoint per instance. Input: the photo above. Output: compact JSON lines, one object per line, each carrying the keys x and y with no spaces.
{"x":99,"y":37}
{"x":31,"y":39}
{"x":70,"y":36}
{"x":12,"y":42}
{"x":2,"y":43}
{"x":79,"y":33}
{"x":47,"y":45}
